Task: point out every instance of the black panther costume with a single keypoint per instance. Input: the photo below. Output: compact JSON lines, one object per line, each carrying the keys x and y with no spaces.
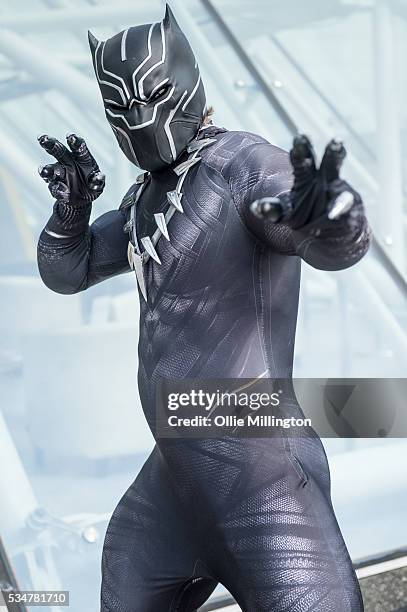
{"x":214,"y":231}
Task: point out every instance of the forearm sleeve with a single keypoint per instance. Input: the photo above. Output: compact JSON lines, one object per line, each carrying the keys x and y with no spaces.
{"x":263,"y":170}
{"x":73,"y":255}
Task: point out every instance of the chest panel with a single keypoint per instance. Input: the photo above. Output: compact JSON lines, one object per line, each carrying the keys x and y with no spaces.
{"x":207,"y":241}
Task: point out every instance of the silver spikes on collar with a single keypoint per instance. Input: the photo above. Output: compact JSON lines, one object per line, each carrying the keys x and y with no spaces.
{"x":137,"y":258}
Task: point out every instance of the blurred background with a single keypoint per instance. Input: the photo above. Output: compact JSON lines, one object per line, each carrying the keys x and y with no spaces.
{"x":72,"y":434}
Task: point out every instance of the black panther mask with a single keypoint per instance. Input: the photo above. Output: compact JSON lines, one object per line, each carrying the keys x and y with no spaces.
{"x":152,"y":91}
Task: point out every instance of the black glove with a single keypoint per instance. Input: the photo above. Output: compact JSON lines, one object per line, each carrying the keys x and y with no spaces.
{"x":316,"y":193}
{"x":75,"y":179}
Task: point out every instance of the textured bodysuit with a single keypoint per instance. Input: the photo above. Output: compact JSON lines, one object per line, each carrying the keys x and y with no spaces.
{"x":253,"y":514}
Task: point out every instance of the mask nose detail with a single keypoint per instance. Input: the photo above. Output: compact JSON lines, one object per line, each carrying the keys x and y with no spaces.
{"x":134,"y":115}
{"x":139,"y":115}
{"x":135,"y":102}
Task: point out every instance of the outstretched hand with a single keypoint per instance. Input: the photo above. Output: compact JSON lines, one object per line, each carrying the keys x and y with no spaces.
{"x":316,"y":192}
{"x":75,"y":178}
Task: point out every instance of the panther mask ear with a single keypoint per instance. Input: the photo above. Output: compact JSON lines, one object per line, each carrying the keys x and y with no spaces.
{"x":169,"y":21}
{"x":93,"y":43}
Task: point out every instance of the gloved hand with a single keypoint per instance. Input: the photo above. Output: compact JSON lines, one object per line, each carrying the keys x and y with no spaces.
{"x":75,"y":179}
{"x":317,"y":193}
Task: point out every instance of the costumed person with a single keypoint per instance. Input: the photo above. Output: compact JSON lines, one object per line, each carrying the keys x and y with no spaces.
{"x":215,"y":229}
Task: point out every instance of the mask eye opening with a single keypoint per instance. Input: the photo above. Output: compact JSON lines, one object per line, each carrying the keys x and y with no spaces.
{"x":113,"y":104}
{"x":157,"y":94}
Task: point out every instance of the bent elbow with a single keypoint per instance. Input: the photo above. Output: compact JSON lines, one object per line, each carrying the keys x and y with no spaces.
{"x":58,"y":283}
{"x":59,"y":270}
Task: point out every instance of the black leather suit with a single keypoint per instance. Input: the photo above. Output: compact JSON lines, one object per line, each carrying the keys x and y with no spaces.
{"x":253,"y":514}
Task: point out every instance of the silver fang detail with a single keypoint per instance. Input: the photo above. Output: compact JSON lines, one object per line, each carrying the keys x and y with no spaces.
{"x":161,"y":224}
{"x":186,"y":165}
{"x":141,"y":178}
{"x":197,"y":145}
{"x":175,"y":199}
{"x":136,"y":264}
{"x":130,"y":255}
{"x":149,"y":247}
{"x":138,"y":268}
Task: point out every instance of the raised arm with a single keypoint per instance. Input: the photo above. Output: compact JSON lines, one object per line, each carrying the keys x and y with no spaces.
{"x":72,"y":255}
{"x":296,"y":208}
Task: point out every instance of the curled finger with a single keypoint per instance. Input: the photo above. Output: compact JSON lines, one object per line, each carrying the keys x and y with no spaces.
{"x":80,"y":150}
{"x":341,"y":205}
{"x":96,"y":183}
{"x":270,"y":208}
{"x":302,"y":155}
{"x":52,"y":172}
{"x":332,"y":161}
{"x":55,"y":148}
